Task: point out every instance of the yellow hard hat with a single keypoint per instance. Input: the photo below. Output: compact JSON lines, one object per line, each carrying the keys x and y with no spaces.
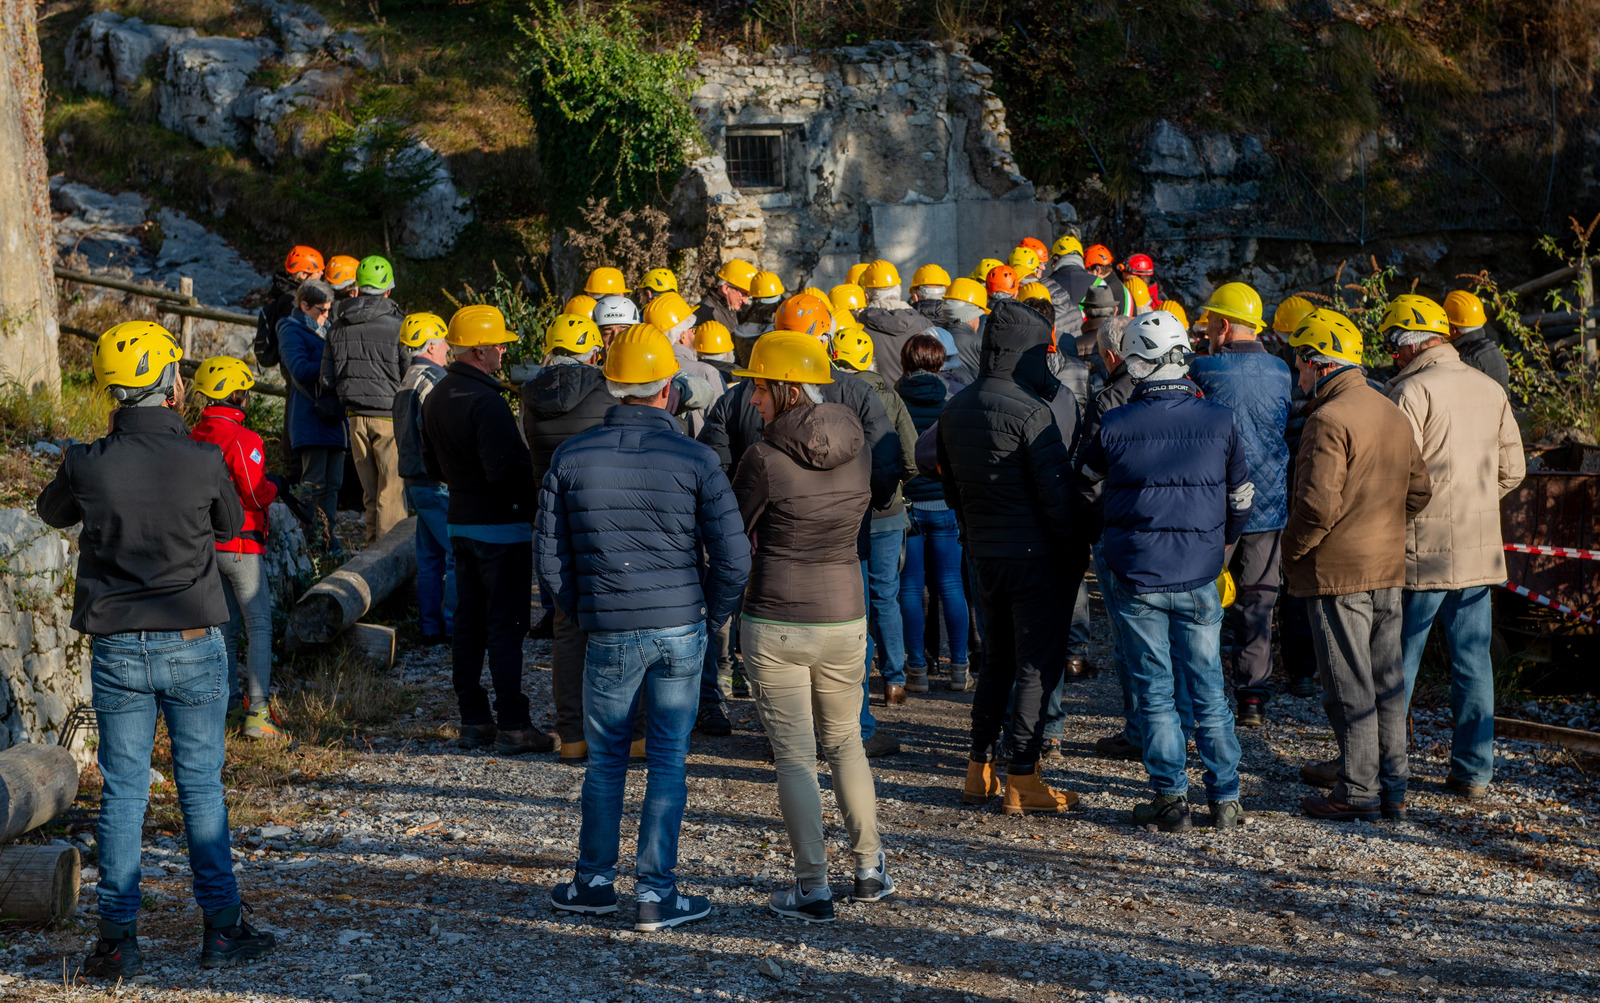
{"x":1411,"y":312}
{"x":765,"y":285}
{"x":853,"y":346}
{"x":573,"y":332}
{"x":1033,"y":291}
{"x":641,"y":354}
{"x":853,"y":277}
{"x":1024,"y":261}
{"x":1464,"y":310}
{"x":134,"y":354}
{"x":1329,"y":332}
{"x":1138,"y":289}
{"x":985,"y":266}
{"x":930,"y":275}
{"x":969,"y":291}
{"x":788,"y":356}
{"x":478,"y":325}
{"x":805,"y":314}
{"x":712,"y":338}
{"x":667,"y":311}
{"x":1176,"y":309}
{"x":819,"y":294}
{"x":1290,"y":313}
{"x":880,"y":275}
{"x":1236,"y":301}
{"x":1226,"y":590}
{"x":222,"y":375}
{"x":1066,"y":245}
{"x":660,"y":280}
{"x":737,"y":273}
{"x":605,"y":281}
{"x":420,"y":328}
{"x":581,"y":305}
{"x":847,"y":296}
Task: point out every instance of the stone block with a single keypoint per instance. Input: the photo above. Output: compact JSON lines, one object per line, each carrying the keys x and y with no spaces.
{"x":205,"y":78}
{"x":108,"y":54}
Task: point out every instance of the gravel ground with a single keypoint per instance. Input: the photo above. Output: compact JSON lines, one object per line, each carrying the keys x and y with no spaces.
{"x":421,"y":874}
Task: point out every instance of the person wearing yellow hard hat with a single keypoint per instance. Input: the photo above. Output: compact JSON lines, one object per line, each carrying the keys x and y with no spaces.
{"x":888,"y":318}
{"x":804,"y":630}
{"x":766,"y":291}
{"x":853,"y":275}
{"x":1474,"y":338}
{"x":966,"y":303}
{"x":655,"y":282}
{"x":675,"y":319}
{"x":148,"y":602}
{"x":606,"y":281}
{"x":580,"y":305}
{"x":626,"y":511}
{"x":929,"y":283}
{"x":846,"y":298}
{"x":223,"y":384}
{"x":1256,"y":384}
{"x":713,"y":343}
{"x":471,"y":442}
{"x":423,"y":335}
{"x":1455,"y":555}
{"x":728,"y":295}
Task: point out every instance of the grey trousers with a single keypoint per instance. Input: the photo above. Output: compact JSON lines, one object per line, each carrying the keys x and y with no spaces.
{"x":244,"y":586}
{"x":1358,"y":642}
{"x":1249,"y":620}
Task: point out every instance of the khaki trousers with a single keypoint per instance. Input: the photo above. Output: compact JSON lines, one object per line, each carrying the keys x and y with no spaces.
{"x":378,"y":465}
{"x":806,"y":680}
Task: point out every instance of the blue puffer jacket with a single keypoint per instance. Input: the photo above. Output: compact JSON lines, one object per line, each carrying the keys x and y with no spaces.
{"x":300,"y":353}
{"x":1256,"y":385}
{"x":1169,"y":458}
{"x":624,"y":512}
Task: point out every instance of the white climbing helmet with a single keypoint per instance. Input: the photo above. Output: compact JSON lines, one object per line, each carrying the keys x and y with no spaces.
{"x":1154,"y":336}
{"x":611,"y":310}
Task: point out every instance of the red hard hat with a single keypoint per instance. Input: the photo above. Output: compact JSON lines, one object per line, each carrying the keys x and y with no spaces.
{"x":302,"y":259}
{"x":1096,"y":254}
{"x":1140,"y":264}
{"x":1001,"y":279}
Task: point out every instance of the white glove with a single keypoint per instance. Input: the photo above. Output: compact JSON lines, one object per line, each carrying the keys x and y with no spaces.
{"x":1241,"y":497}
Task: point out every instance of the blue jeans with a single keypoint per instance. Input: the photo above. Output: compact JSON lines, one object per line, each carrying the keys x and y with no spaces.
{"x":933,"y":560}
{"x":1174,"y":642}
{"x":663,"y":667}
{"x":1468,"y":619}
{"x":1078,"y":633}
{"x":436,"y":565}
{"x":880,"y":576}
{"x":135,"y":677}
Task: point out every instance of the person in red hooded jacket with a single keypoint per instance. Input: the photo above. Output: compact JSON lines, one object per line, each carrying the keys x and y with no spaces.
{"x":225,"y":384}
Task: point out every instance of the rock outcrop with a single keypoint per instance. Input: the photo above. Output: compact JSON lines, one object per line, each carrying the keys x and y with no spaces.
{"x":431,"y":222}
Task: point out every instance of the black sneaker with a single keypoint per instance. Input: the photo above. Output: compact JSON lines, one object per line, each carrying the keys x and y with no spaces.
{"x":1252,"y":711}
{"x":1226,"y":814}
{"x":597,"y":897}
{"x":814,"y":906}
{"x":230,"y":941}
{"x":545,"y":629}
{"x":116,"y":953}
{"x":656,"y":913}
{"x":713,"y":721}
{"x":873,"y":883}
{"x":1303,"y":686}
{"x":521,"y":741}
{"x":1051,"y":749}
{"x":1167,"y":812}
{"x":881,"y":744}
{"x":476,"y":736}
{"x":1117,"y":747}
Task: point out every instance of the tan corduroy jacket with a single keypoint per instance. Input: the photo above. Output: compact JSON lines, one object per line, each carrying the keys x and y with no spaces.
{"x":1463,"y":424}
{"x":1359,"y":477}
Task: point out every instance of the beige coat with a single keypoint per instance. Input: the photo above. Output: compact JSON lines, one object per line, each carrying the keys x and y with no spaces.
{"x":1463,"y":424}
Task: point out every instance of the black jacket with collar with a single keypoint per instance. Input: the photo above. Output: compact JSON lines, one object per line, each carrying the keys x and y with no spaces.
{"x":363,"y":361}
{"x":470,"y":441}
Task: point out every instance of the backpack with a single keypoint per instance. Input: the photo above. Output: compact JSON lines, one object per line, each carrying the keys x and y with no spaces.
{"x":265,"y":344}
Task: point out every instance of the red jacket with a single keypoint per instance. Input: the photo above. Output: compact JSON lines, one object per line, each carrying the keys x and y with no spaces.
{"x":246,"y":460}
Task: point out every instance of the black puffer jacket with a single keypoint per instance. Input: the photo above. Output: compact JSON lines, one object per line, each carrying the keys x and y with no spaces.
{"x":1006,"y":470}
{"x":564,"y":399}
{"x":924,"y":395}
{"x":470,"y":441}
{"x":154,"y":505}
{"x":363,"y":361}
{"x":1479,"y":350}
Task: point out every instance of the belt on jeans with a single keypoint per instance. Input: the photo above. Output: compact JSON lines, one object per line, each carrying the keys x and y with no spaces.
{"x":192,"y":634}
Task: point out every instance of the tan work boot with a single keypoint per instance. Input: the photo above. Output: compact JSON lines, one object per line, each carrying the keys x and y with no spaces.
{"x":1026,"y":794}
{"x":636,"y":751}
{"x":983,"y":783}
{"x":574,"y":752}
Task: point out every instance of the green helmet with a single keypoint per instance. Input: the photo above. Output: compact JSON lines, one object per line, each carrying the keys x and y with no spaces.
{"x":374,"y":273}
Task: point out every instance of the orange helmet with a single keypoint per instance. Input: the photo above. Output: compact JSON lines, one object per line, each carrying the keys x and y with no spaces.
{"x":302,"y":259}
{"x":804,"y":313}
{"x":1096,"y":254}
{"x":1001,"y":279}
{"x":341,"y":271}
{"x":1036,"y":245}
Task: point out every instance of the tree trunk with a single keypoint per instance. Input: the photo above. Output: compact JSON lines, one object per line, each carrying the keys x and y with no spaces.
{"x":37,"y":783}
{"x":332,"y":605}
{"x":38,"y":884}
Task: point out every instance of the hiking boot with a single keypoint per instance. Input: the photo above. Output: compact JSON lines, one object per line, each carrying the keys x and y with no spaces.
{"x":894,"y":694}
{"x":741,"y":685}
{"x":1332,"y":809}
{"x":545,"y":629}
{"x":1394,"y":811}
{"x":814,"y":906}
{"x":880,"y":744}
{"x":1464,"y":790}
{"x":713,"y":720}
{"x":1252,"y":711}
{"x":1302,"y":686}
{"x":116,"y":954}
{"x":236,"y":715}
{"x":636,"y":751}
{"x":982,"y":783}
{"x":916,"y":679}
{"x":1079,"y":668}
{"x":1051,"y":749}
{"x":1117,"y":747}
{"x":520,"y":741}
{"x":1226,"y":814}
{"x":1167,"y":812}
{"x":595,"y":897}
{"x":873,"y":883}
{"x":229,"y":941}
{"x":962,"y":680}
{"x":1323,"y":774}
{"x":573,"y":753}
{"x":1027,"y":794}
{"x":656,"y":913}
{"x":261,"y":726}
{"x":477,"y":736}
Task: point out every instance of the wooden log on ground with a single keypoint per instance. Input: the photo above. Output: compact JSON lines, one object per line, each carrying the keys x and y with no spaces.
{"x":333,"y":605}
{"x":38,"y":884}
{"x":1547,"y":734}
{"x":1544,"y":281}
{"x":371,"y":643}
{"x":37,"y":783}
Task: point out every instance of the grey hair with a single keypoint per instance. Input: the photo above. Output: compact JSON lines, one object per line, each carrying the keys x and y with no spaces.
{"x":1110,"y":334}
{"x":624,"y":391}
{"x":1146,"y":369}
{"x":313,"y":292}
{"x":414,"y":352}
{"x":929,"y":292}
{"x":887,"y":297}
{"x":1328,"y":360}
{"x":718,"y":357}
{"x":1404,"y":338}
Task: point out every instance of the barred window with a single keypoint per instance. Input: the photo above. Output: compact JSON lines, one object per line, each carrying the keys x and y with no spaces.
{"x":755,"y":158}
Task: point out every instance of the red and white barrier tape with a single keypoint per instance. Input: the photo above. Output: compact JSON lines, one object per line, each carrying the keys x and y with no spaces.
{"x":1559,"y":607}
{"x":1529,"y":548}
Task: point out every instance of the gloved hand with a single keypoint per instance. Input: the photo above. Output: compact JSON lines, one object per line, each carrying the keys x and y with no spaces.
{"x":1242,"y":497}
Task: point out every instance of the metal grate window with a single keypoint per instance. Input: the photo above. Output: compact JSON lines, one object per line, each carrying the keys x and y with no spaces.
{"x":755,"y":159}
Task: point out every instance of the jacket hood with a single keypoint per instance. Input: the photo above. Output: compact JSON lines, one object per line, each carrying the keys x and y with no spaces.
{"x":922,"y":389}
{"x":363,"y":309}
{"x":933,"y":312}
{"x":559,"y":389}
{"x":904,"y":320}
{"x":821,"y":436}
{"x":1016,"y":343}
